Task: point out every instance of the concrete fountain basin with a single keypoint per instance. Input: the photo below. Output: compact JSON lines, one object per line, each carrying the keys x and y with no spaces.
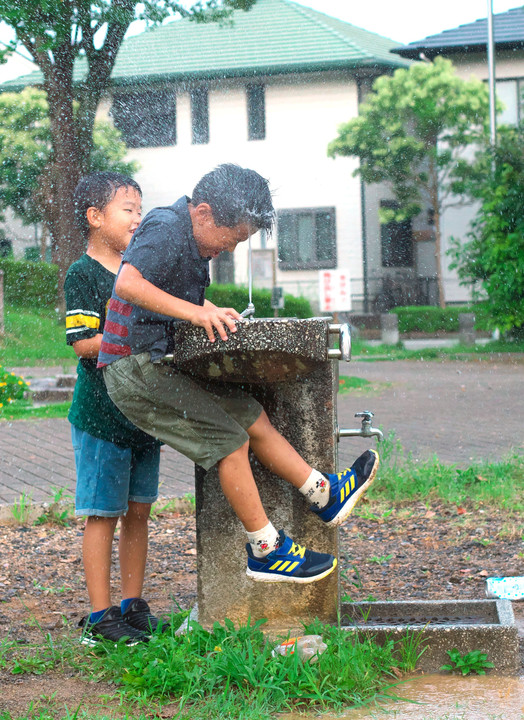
{"x":486,"y":625}
{"x":264,"y":350}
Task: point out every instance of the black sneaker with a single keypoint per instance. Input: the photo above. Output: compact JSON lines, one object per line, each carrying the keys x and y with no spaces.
{"x":112,"y":627}
{"x":139,"y":616}
{"x":289,"y":563}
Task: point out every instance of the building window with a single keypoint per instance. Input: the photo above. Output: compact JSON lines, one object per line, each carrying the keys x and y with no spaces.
{"x":256,"y":112}
{"x":396,"y":239}
{"x":146,"y":119}
{"x":511,"y":95}
{"x":307,"y":239}
{"x":199,"y":115}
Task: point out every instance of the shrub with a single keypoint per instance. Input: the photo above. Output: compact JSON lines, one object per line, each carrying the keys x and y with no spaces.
{"x":431,"y":319}
{"x":12,"y":387}
{"x":30,"y":283}
{"x":238,"y":297}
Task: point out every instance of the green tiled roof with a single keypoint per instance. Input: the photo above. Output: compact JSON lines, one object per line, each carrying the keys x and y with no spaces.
{"x":275,"y":36}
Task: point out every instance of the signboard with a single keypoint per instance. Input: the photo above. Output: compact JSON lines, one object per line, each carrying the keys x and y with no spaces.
{"x":335,"y":291}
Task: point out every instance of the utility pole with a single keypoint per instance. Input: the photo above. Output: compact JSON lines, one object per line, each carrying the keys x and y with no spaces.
{"x":491,"y":78}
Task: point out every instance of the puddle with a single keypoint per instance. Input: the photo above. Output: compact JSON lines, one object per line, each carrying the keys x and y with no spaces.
{"x":444,"y":697}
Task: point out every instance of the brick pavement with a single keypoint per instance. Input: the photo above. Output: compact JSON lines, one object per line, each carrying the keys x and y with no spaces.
{"x":459,"y":411}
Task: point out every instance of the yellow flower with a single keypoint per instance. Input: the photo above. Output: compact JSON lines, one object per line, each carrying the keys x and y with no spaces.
{"x":218,"y":648}
{"x":3,"y":384}
{"x":1,"y":404}
{"x":20,"y":382}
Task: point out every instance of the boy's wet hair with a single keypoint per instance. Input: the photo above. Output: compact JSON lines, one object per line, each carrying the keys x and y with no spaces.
{"x":97,"y":190}
{"x":236,"y":195}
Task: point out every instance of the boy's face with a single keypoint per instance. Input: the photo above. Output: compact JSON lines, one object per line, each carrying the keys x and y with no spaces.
{"x":117,"y":222}
{"x":212,"y":239}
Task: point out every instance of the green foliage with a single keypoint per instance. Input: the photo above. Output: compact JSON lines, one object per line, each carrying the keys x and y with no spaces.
{"x":34,"y":337}
{"x":238,"y":298}
{"x":26,"y":153}
{"x":21,"y":509}
{"x":431,"y":319}
{"x":230,"y":671}
{"x":402,"y":478}
{"x":23,"y":410}
{"x":348,"y":383}
{"x":472,"y":662}
{"x":30,"y":284}
{"x":395,"y":135}
{"x":12,"y":387}
{"x":58,"y":511}
{"x":492,"y":261}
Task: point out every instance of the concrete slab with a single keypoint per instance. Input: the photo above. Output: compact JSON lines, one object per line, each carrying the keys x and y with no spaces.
{"x":486,"y":625}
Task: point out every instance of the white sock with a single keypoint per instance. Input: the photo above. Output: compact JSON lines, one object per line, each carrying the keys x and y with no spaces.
{"x":316,"y":489}
{"x":263,"y":541}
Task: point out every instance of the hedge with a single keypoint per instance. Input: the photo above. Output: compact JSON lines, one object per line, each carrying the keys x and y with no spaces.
{"x":431,"y":319}
{"x":238,"y":298}
{"x":30,"y":284}
{"x":33,"y":284}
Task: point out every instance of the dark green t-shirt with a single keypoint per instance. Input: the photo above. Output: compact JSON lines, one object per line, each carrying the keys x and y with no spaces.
{"x":88,"y":286}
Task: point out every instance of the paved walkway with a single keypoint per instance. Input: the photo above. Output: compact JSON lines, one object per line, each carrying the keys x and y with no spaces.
{"x":459,"y":411}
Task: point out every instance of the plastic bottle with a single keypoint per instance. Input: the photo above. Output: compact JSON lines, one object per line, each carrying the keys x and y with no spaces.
{"x":308,"y":647}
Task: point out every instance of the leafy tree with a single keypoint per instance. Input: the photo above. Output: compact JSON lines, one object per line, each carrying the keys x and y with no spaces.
{"x":492,"y":261}
{"x":26,"y":157}
{"x":412,"y":131}
{"x":57,"y":33}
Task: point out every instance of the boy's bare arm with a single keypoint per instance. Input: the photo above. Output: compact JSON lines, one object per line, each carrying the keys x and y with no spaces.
{"x":132,"y":286}
{"x":88,"y":348}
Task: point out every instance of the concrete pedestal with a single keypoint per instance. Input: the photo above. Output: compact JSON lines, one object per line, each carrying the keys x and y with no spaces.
{"x":284,"y":365}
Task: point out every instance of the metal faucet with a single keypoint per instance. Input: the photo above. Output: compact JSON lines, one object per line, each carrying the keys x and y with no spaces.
{"x":367,"y":430}
{"x":249,"y":312}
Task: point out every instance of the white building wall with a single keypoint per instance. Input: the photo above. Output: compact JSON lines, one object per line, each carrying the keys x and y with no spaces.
{"x":456,"y":221}
{"x":302,"y":116}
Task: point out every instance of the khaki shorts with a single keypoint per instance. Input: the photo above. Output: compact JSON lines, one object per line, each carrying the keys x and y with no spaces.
{"x":203,"y":421}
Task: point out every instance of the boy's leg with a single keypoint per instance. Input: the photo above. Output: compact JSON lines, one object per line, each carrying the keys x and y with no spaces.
{"x":332,"y":496}
{"x":132,"y":548}
{"x":96,"y":551}
{"x":102,"y":490}
{"x":281,"y":559}
{"x":240,"y":489}
{"x":143,"y":491}
{"x":275,"y":452}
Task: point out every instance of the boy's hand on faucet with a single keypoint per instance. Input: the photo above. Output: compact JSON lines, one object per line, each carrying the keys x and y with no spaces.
{"x":211,"y":317}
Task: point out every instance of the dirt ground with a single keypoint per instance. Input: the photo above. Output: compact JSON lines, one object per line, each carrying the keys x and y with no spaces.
{"x":414,"y":552}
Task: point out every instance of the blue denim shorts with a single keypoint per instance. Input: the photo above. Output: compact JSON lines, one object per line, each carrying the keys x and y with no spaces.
{"x":108,"y":476}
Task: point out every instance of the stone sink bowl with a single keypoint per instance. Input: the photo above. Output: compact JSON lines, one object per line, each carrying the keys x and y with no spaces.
{"x":262,"y":350}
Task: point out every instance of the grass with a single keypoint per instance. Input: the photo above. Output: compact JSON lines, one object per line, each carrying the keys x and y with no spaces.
{"x":404,"y":479}
{"x":22,"y":410}
{"x":228,"y":672}
{"x":363,"y":351}
{"x":34,"y":336}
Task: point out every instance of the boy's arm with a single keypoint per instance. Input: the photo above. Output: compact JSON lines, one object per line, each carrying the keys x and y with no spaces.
{"x":89,"y":347}
{"x":132,"y":286}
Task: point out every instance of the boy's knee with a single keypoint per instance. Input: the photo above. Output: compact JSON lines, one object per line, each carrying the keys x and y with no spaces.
{"x":137,"y":511}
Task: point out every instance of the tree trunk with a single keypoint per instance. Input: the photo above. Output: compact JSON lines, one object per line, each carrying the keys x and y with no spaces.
{"x":66,"y":243}
{"x":435,"y":205}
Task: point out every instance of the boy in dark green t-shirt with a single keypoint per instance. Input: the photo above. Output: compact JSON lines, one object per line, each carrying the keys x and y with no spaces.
{"x":117,"y":464}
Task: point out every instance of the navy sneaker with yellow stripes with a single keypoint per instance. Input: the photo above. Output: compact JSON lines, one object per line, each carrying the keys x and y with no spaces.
{"x":290,"y":562}
{"x":347,"y":488}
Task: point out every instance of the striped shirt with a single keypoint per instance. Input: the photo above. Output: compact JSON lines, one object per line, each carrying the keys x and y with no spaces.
{"x":164,"y":251}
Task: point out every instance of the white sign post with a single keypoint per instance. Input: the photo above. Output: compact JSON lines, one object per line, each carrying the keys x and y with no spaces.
{"x":335,"y":291}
